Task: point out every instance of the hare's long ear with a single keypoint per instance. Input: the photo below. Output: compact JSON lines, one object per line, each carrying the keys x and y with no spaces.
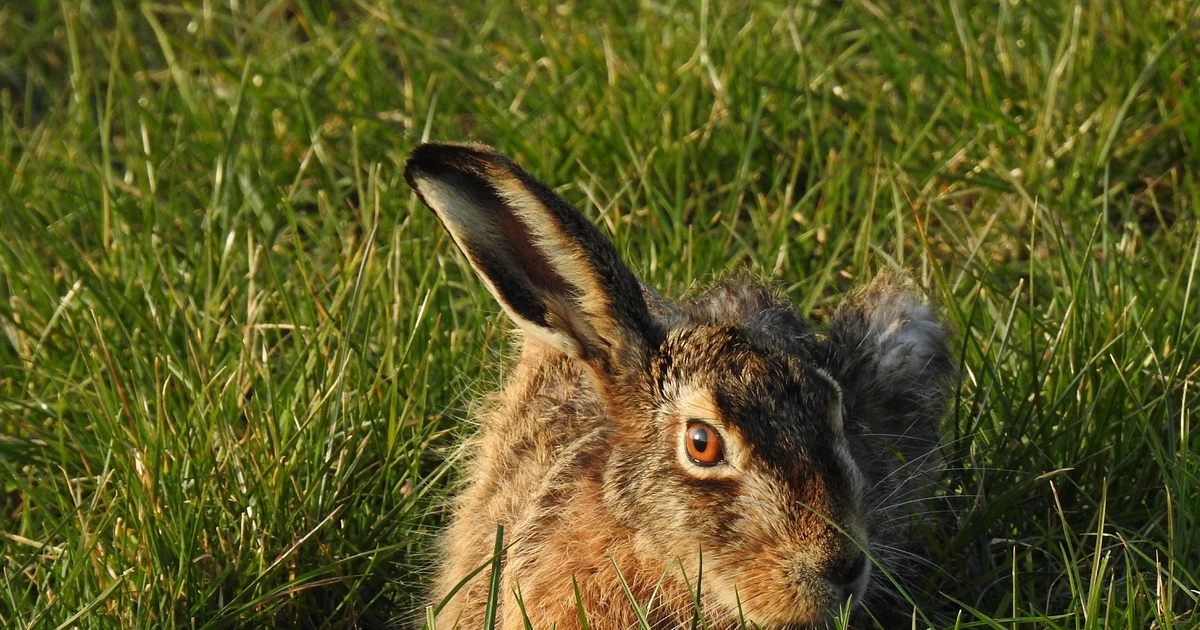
{"x":553,"y":272}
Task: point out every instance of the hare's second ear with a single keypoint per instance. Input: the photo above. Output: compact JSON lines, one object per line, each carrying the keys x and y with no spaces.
{"x":553,"y":272}
{"x":889,"y":352}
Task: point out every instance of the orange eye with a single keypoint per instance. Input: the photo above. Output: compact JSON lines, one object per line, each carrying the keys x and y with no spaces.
{"x":703,"y":444}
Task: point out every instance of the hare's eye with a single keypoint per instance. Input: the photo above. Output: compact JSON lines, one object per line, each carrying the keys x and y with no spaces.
{"x":703,"y":444}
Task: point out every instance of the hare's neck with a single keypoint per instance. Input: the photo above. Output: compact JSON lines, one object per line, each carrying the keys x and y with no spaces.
{"x":548,"y":399}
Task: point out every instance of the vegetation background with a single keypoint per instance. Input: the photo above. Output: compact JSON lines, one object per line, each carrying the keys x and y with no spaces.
{"x":235,"y":353}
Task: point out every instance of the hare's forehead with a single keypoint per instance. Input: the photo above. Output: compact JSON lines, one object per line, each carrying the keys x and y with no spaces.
{"x":727,"y":357}
{"x":714,"y":374}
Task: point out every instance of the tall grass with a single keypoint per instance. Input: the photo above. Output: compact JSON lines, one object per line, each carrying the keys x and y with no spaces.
{"x":235,"y":354}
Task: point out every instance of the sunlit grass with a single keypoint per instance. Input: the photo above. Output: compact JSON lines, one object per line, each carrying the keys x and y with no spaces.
{"x":235,"y":355}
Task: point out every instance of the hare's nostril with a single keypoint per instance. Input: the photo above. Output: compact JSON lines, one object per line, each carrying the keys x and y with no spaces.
{"x":847,"y":570}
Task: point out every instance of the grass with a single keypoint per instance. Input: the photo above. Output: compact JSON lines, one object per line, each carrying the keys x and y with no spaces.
{"x":235,"y":354}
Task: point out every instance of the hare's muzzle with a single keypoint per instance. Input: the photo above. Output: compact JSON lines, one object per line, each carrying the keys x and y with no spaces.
{"x":848,"y":575}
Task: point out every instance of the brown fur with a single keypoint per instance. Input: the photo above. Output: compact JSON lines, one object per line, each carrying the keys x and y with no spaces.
{"x":829,"y":441}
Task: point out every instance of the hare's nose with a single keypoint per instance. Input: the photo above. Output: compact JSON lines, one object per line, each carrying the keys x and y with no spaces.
{"x":848,"y":570}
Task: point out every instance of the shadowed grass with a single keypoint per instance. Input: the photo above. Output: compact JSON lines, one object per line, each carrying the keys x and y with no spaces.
{"x":235,"y":353}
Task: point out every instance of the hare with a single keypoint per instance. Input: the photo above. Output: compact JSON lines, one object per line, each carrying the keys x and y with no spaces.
{"x":714,"y":458}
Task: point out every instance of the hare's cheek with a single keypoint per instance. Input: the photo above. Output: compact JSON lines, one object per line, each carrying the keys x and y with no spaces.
{"x":700,"y":509}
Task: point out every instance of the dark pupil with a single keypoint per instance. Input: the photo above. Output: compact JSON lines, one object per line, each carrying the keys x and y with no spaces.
{"x":700,"y":439}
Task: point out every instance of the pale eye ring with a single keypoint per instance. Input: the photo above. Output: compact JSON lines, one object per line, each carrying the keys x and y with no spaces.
{"x":703,"y":444}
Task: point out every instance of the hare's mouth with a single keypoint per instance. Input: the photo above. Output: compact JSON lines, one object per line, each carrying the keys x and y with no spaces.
{"x":807,"y":606}
{"x":809,"y":601}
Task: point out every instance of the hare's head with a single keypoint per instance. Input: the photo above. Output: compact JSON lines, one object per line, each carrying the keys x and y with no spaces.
{"x":730,"y":452}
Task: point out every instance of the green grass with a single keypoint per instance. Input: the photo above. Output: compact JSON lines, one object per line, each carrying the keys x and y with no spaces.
{"x":235,"y":353}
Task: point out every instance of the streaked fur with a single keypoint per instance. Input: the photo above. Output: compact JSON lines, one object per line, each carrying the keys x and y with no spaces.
{"x":578,"y":454}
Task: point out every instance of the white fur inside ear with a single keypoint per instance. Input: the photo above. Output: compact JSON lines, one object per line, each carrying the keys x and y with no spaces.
{"x":906,"y":333}
{"x":462,"y":218}
{"x":458,"y":213}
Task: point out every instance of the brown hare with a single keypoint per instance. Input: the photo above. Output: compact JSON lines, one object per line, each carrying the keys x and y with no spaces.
{"x":641,"y":451}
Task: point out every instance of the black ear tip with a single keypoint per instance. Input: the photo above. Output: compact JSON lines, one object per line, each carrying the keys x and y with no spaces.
{"x":438,"y":159}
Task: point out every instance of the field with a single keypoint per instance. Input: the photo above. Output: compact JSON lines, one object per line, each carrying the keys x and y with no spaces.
{"x":236,"y":353}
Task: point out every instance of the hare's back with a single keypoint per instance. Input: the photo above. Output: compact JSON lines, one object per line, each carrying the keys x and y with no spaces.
{"x":545,"y":405}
